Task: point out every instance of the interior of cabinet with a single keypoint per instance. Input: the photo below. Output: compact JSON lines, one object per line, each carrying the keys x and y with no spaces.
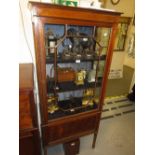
{"x":75,"y":60}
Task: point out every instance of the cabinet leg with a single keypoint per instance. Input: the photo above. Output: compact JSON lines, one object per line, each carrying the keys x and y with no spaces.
{"x":94,"y":140}
{"x":45,"y":150}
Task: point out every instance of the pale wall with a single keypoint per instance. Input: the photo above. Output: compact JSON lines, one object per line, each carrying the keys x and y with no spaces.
{"x":26,"y":33}
{"x":125,"y":6}
{"x":121,"y":58}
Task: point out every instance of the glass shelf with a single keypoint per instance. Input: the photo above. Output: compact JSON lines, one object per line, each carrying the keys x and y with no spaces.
{"x":71,"y":86}
{"x":70,"y":107}
{"x":50,"y":59}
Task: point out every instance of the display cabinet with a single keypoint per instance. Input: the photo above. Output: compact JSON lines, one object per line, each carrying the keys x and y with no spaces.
{"x":73,"y":48}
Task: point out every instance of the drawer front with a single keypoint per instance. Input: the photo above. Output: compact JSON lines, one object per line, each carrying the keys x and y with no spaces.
{"x":25,"y":119}
{"x":65,"y":129}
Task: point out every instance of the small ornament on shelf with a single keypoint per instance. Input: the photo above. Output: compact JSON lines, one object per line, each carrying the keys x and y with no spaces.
{"x":90,"y":4}
{"x":80,"y":77}
{"x":52,"y":104}
{"x":67,"y":54}
{"x":51,"y":41}
{"x":91,"y":76}
{"x":87,"y":102}
{"x":88,"y":92}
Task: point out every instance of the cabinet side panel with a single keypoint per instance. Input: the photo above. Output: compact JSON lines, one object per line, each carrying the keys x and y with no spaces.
{"x":40,"y":64}
{"x":25,"y":119}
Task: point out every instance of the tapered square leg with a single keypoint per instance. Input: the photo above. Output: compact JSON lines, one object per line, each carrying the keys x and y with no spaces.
{"x":94,"y":140}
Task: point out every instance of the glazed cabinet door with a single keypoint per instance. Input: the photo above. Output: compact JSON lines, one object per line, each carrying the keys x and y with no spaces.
{"x":75,"y":62}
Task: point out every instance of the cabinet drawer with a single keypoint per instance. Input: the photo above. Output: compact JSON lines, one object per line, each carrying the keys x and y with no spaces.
{"x":70,"y":128}
{"x":25,"y":119}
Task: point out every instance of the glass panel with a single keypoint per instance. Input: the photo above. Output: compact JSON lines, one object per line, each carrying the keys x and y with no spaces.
{"x":80,"y":30}
{"x":75,"y":60}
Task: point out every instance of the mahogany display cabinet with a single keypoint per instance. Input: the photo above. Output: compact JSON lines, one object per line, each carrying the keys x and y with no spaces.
{"x":73,"y":48}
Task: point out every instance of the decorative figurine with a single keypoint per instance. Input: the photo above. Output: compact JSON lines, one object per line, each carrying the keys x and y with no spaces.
{"x":80,"y":77}
{"x":91,"y":76}
{"x":88,"y":92}
{"x":87,"y":45}
{"x":52,"y":105}
{"x":67,"y":54}
{"x":87,"y":102}
{"x":96,"y":100}
{"x":82,"y":45}
{"x":51,"y":40}
{"x":75,"y":40}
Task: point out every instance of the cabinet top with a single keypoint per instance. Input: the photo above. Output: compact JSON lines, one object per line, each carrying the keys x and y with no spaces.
{"x":66,"y":12}
{"x":25,"y":76}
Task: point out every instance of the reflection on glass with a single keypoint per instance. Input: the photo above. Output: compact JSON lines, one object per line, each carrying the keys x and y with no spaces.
{"x":103,"y":35}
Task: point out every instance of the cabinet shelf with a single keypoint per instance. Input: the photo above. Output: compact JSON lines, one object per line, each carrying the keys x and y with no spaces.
{"x":71,"y":86}
{"x":79,"y":36}
{"x":50,"y":59}
{"x":67,"y":107}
